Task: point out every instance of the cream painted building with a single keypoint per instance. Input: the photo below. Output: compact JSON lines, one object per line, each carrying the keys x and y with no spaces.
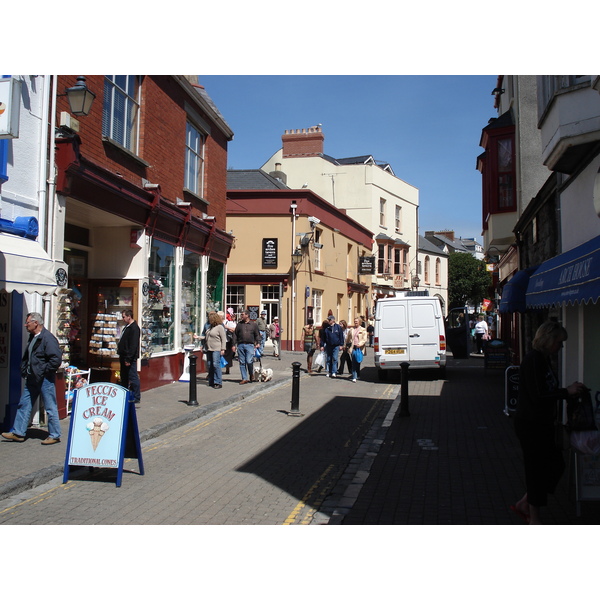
{"x":295,"y":255}
{"x":368,"y":191}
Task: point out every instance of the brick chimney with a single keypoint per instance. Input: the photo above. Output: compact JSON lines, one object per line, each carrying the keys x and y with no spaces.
{"x":303,"y":142}
{"x":447,"y":233}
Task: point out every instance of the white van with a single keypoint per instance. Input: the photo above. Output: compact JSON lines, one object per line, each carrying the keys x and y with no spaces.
{"x":409,"y":328}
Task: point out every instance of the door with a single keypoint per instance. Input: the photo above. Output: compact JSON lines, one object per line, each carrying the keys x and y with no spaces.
{"x":423,"y":332}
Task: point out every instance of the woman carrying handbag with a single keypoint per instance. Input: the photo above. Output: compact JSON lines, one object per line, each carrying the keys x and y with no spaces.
{"x":356,"y":337}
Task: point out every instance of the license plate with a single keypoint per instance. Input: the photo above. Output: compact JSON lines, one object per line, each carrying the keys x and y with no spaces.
{"x":394,"y":350}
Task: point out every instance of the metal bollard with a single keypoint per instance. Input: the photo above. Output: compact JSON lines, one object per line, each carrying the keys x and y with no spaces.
{"x":404,"y":391}
{"x":192,"y":398}
{"x":295,"y":412}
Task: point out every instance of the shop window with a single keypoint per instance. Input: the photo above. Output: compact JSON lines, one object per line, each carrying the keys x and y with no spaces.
{"x":161,"y":296}
{"x":191,"y":287}
{"x":121,"y":109}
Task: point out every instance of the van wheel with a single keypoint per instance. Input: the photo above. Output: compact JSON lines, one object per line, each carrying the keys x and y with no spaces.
{"x":382,"y":375}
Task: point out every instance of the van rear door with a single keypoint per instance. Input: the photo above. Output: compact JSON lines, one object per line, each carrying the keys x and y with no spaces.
{"x":423,"y":332}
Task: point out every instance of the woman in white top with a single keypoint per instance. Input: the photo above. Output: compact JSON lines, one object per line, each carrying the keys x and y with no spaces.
{"x":481,"y":329}
{"x":356,"y":338}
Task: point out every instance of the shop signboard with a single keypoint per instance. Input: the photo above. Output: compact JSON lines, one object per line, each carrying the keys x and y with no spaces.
{"x":366,"y":265}
{"x":103,"y":430}
{"x":252,"y":312}
{"x":269,"y":253}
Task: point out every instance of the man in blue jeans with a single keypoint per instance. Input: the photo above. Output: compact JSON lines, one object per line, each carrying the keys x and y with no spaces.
{"x":40,"y":361}
{"x":246,"y":339}
{"x":332,"y":341}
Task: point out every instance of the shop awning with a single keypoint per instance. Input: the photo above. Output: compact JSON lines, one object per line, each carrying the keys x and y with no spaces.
{"x":513,"y":292}
{"x":571,"y":277}
{"x":26,"y":267}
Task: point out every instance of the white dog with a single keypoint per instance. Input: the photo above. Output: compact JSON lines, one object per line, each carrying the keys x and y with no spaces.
{"x":261,"y":374}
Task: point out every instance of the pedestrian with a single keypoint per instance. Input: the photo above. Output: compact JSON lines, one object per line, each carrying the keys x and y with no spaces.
{"x":481,"y":332}
{"x":345,"y":355}
{"x":246,"y":339}
{"x":370,"y":333}
{"x":332,"y":341}
{"x":128,"y":350}
{"x":535,"y":417}
{"x":275,"y":331}
{"x":41,"y":359}
{"x":320,"y":338}
{"x":262,"y":329}
{"x":230,"y":324}
{"x":356,"y":340}
{"x":216,"y":344}
{"x":309,"y":342}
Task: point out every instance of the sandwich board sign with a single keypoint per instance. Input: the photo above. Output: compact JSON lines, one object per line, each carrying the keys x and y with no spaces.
{"x":103,"y":430}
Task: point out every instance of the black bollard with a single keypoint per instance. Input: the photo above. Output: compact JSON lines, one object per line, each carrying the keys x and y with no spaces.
{"x":404,"y":391}
{"x":295,"y":412}
{"x":192,"y":398}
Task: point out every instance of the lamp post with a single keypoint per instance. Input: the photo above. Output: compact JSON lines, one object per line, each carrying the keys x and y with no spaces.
{"x":415,"y":282}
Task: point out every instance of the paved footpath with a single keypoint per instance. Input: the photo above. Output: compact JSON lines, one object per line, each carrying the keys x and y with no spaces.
{"x":351,"y":458}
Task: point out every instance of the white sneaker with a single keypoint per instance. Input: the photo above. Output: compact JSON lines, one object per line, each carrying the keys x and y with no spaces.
{"x":333,"y":375}
{"x":354,"y":380}
{"x":326,"y":374}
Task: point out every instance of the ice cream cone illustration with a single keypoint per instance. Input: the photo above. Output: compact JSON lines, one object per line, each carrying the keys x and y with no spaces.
{"x":97,"y":429}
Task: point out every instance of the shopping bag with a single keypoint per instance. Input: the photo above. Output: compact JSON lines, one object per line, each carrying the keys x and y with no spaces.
{"x":357,"y":355}
{"x":580,"y":413}
{"x":320,"y":360}
{"x":224,"y":362}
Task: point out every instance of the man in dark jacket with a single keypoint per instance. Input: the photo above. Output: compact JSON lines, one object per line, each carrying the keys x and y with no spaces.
{"x":128,"y":350}
{"x":246,"y":338}
{"x":41,"y":359}
{"x":332,"y":341}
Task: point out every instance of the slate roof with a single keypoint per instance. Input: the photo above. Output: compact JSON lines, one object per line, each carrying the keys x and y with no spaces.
{"x":426,"y":246}
{"x":253,"y":179}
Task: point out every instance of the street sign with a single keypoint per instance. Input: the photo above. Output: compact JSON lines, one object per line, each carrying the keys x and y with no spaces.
{"x":103,"y":430}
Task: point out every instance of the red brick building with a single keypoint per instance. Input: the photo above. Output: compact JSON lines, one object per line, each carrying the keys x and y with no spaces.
{"x":140,"y":216}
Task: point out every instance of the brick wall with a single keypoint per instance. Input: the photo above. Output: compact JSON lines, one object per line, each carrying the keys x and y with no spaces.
{"x":303,"y":142}
{"x":161,"y":143}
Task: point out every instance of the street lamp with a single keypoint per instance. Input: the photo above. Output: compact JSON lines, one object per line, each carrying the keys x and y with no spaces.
{"x":297,"y":257}
{"x":80,"y":97}
{"x":415,"y":282}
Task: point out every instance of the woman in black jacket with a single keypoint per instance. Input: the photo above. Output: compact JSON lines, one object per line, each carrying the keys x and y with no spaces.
{"x":535,"y":420}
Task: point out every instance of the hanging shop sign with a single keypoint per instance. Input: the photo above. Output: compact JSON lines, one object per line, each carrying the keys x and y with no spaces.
{"x":10,"y":95}
{"x":103,"y":430}
{"x":366,"y":265}
{"x":269,"y":253}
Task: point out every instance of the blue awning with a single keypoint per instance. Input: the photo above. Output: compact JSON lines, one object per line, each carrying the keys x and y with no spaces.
{"x":513,"y":292}
{"x":571,"y":277}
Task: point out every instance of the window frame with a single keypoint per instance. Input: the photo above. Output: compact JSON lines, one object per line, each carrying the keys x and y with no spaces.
{"x":195,"y":159}
{"x":131,"y":101}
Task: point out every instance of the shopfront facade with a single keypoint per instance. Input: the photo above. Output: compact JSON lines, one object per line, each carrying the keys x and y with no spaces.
{"x":140,"y":213}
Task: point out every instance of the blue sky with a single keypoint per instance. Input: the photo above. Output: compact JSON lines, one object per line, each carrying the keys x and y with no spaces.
{"x":427,"y":127}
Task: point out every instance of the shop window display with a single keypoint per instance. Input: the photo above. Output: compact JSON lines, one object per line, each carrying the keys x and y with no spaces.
{"x":191,"y":285}
{"x":161,"y":296}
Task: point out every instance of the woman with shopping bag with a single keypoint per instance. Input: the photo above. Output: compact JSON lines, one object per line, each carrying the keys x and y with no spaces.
{"x":216,"y":344}
{"x":356,"y":340}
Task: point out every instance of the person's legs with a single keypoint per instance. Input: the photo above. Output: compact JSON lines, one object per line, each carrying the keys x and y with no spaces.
{"x":134,"y":383}
{"x":48,"y":392}
{"x":210,"y":365}
{"x":217,"y":370}
{"x":23,"y":416}
{"x":244,"y":355}
{"x":334,"y":360}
